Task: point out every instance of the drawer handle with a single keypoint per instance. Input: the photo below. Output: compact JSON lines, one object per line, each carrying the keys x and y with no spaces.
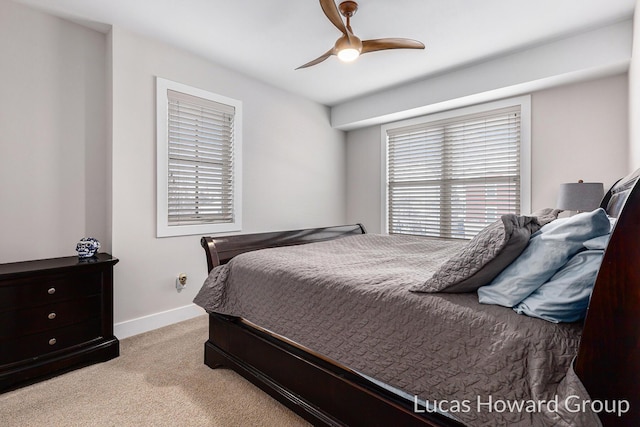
{"x":52,"y":341}
{"x":51,"y":291}
{"x":51,"y":316}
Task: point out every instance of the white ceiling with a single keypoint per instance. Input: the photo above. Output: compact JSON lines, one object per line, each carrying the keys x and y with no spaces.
{"x":268,"y":39}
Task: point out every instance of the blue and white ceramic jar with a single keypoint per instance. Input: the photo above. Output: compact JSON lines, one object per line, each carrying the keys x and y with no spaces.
{"x":87,"y":247}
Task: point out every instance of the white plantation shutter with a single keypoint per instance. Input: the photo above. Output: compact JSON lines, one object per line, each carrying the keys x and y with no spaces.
{"x":453,"y":177}
{"x":200,"y":169}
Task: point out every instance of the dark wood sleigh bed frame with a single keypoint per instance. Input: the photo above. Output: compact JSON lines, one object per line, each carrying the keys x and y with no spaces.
{"x":326,"y":393}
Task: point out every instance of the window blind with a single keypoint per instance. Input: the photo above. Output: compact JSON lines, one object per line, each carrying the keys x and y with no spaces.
{"x":452,"y":178}
{"x":200,"y":160}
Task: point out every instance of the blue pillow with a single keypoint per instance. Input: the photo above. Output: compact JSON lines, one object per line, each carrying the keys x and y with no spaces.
{"x":548,"y":250}
{"x":565,"y":297}
{"x":601,"y":242}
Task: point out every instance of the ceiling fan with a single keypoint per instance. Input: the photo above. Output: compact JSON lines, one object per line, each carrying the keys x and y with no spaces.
{"x":349,"y":47}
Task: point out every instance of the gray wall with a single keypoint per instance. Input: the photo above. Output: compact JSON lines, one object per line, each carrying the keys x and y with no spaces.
{"x":293,"y":169}
{"x":53,"y":173}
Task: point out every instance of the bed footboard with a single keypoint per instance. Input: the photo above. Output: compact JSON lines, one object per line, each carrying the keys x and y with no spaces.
{"x":221,"y":250}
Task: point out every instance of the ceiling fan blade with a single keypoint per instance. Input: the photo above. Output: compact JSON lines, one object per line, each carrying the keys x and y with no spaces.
{"x":331,"y":10}
{"x":319,"y":59}
{"x":383,"y":44}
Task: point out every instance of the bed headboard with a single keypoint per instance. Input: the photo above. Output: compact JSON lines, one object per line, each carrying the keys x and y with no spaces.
{"x":608,"y":361}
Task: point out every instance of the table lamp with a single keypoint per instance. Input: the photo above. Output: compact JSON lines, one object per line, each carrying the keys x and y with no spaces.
{"x":580,"y":196}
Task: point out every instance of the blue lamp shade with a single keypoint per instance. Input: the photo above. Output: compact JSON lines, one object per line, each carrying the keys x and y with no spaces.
{"x":580,"y":196}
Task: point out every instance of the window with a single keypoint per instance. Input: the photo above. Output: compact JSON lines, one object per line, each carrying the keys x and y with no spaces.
{"x":450,"y":175}
{"x":199,"y":161}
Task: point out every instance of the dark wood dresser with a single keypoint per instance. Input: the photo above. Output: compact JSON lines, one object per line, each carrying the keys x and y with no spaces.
{"x":55,"y":315}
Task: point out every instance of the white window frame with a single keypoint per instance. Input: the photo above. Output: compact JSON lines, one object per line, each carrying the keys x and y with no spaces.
{"x":525,"y":146}
{"x":162,"y":161}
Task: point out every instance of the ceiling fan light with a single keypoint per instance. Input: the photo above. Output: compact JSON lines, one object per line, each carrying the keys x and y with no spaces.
{"x":348,"y":54}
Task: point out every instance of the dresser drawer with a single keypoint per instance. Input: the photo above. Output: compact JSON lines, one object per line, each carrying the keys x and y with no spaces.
{"x":50,"y":316}
{"x":37,"y":291}
{"x":40,"y":344}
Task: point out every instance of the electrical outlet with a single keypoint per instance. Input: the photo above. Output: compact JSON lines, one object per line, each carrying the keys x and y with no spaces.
{"x":181,"y":281}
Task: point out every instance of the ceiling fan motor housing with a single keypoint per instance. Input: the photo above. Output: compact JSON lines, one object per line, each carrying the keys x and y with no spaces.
{"x":348,"y":42}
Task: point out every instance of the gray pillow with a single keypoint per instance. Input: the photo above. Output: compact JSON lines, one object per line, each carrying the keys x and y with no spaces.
{"x":484,"y":257}
{"x":546,"y":215}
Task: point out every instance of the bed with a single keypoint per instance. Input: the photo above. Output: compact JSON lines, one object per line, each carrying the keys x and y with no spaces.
{"x":373,"y":371}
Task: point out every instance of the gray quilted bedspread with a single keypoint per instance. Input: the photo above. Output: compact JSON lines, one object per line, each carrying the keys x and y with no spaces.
{"x":348,"y":299}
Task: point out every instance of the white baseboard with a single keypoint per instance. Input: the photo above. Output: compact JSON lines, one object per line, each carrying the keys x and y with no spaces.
{"x":157,"y":320}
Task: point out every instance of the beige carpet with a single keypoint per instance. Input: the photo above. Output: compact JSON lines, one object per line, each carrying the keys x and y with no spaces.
{"x":158,"y":380}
